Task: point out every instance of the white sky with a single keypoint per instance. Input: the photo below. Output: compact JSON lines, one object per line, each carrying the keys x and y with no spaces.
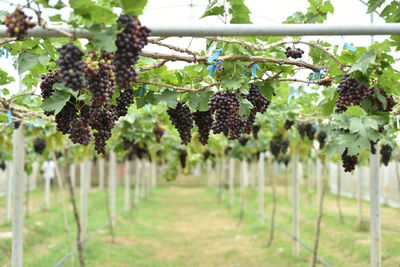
{"x":263,"y":12}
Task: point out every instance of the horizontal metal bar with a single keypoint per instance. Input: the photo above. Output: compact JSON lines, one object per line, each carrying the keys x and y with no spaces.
{"x":239,"y":30}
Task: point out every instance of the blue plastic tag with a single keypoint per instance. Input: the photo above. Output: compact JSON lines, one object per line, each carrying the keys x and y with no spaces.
{"x":316,"y":127}
{"x":147,"y":106}
{"x":9,"y":115}
{"x":217,"y":53}
{"x":213,"y":68}
{"x":30,"y":126}
{"x":5,"y":51}
{"x":254,"y":69}
{"x":40,"y":122}
{"x":294,"y":93}
{"x":350,"y":47}
{"x":142,"y":90}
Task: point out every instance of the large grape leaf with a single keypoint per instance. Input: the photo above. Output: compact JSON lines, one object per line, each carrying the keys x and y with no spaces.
{"x":56,"y":101}
{"x":133,"y":7}
{"x":363,"y":63}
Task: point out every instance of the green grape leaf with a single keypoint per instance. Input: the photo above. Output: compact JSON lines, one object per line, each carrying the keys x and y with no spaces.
{"x":363,"y":63}
{"x":26,"y":61}
{"x":133,"y":7}
{"x":245,"y":107}
{"x":214,"y":11}
{"x":357,"y":126}
{"x":105,"y":40}
{"x":354,"y":111}
{"x":56,"y":101}
{"x":240,"y":12}
{"x":170,"y":97}
{"x":374,"y":4}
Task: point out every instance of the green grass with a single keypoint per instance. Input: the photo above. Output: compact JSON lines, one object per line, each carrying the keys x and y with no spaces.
{"x":186,"y":226}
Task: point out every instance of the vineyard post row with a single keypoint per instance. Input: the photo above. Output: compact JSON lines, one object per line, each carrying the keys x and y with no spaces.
{"x":145,"y":179}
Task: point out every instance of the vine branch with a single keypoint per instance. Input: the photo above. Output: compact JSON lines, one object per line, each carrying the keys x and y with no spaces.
{"x":193,"y":59}
{"x":270,"y":46}
{"x":181,"y":89}
{"x":173,"y":47}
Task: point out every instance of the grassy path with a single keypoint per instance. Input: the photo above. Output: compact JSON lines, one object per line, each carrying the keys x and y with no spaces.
{"x":180,"y":227}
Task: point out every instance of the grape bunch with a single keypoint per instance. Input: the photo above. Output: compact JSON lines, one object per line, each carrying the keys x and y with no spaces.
{"x":124,"y":100}
{"x":182,"y":119}
{"x":129,"y":43}
{"x":158,"y":132}
{"x":182,"y":158}
{"x":67,"y":114}
{"x":256,"y":129}
{"x":259,"y":102}
{"x":288,"y":124}
{"x":140,"y":151}
{"x":390,"y":102}
{"x":306,"y":129}
{"x":321,"y":137}
{"x":204,"y":121}
{"x":349,"y":162}
{"x":102,"y":120}
{"x":275,"y":147}
{"x":18,"y":24}
{"x":386,"y":154}
{"x":79,"y":132}
{"x":71,"y":66}
{"x":278,"y":145}
{"x":207,"y":154}
{"x":373,"y":148}
{"x":226,"y":106}
{"x":292,"y":52}
{"x":2,"y":165}
{"x":249,"y":122}
{"x":46,"y":86}
{"x":48,"y":80}
{"x":100,"y":75}
{"x":39,"y":145}
{"x":351,"y":93}
{"x":243,"y":140}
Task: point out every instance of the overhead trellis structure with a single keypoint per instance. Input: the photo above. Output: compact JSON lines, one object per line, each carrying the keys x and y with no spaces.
{"x":234,"y":30}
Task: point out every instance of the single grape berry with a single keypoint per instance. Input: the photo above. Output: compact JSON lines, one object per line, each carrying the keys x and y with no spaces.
{"x":39,"y":144}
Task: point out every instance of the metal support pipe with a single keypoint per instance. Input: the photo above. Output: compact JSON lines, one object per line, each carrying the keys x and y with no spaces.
{"x":238,"y":30}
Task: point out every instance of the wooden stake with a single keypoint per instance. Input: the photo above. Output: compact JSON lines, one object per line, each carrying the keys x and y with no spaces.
{"x":83,"y":198}
{"x":360,"y":178}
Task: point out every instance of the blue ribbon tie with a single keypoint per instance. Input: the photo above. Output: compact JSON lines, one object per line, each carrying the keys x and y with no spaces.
{"x":350,"y":47}
{"x":217,"y":53}
{"x":213,"y":68}
{"x":254,"y":69}
{"x":9,"y":115}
